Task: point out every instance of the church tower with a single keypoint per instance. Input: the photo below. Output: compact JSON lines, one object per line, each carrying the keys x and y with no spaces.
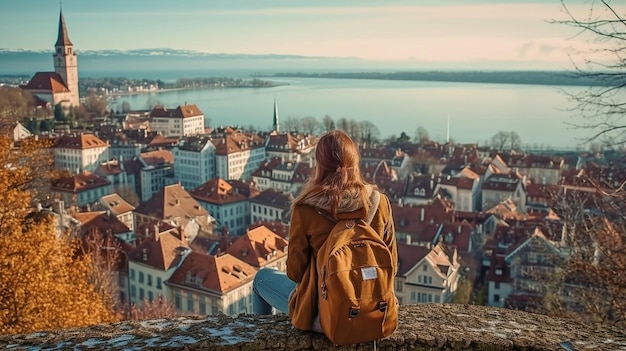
{"x":275,"y":124}
{"x":65,"y":61}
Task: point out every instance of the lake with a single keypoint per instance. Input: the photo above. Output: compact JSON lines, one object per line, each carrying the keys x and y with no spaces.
{"x":476,"y":111}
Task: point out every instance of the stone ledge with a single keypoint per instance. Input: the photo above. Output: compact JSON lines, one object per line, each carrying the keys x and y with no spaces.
{"x":421,"y":327}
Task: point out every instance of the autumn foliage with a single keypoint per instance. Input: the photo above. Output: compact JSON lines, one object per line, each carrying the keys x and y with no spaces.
{"x":590,"y":284}
{"x":44,"y":283}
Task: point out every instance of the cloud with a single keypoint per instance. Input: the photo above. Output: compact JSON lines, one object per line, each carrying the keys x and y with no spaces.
{"x":531,"y":48}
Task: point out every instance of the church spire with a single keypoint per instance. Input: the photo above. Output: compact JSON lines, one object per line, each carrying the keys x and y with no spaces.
{"x":63,"y":39}
{"x":275,"y":124}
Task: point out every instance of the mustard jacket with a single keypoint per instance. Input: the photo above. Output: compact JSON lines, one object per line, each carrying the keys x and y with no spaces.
{"x":308,"y":231}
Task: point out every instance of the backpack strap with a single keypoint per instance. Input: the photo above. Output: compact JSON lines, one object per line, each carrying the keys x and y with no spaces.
{"x":375,"y":201}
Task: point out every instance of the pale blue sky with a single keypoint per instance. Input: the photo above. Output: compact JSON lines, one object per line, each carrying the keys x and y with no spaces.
{"x":458,"y":32}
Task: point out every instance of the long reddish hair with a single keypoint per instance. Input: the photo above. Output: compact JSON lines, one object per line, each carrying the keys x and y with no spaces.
{"x":336,"y":172}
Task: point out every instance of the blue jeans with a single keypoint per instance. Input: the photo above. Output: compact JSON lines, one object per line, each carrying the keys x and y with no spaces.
{"x":271,"y":288}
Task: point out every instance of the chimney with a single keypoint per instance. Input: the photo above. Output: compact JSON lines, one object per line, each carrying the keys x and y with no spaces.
{"x":422,"y":214}
{"x":156,"y":232}
{"x":408,"y":239}
{"x":183,"y":237}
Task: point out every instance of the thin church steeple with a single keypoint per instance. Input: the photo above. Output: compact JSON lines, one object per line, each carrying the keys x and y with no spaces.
{"x":275,"y":125}
{"x":63,"y":39}
{"x":66,"y":64}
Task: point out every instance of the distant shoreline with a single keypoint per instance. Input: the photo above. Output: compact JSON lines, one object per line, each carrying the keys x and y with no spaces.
{"x":489,"y":77}
{"x":166,"y":90}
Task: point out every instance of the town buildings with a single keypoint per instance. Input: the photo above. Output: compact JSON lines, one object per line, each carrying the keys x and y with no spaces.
{"x":209,"y":202}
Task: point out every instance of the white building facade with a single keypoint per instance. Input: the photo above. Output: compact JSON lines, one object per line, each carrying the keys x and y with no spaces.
{"x":194,"y":161}
{"x":185,"y":120}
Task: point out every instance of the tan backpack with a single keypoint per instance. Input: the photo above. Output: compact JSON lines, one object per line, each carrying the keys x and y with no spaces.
{"x":356,"y":296}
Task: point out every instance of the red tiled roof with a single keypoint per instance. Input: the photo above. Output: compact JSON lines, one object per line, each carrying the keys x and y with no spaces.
{"x":302,"y":172}
{"x":466,"y":183}
{"x":408,"y":219}
{"x":458,"y":235}
{"x":502,"y":182}
{"x":276,"y":142}
{"x":235,"y":142}
{"x":161,"y":254}
{"x":79,"y":182}
{"x":217,"y":191}
{"x":109,"y":168}
{"x":218,"y":274}
{"x":101,"y":221}
{"x":116,"y":204}
{"x":183,"y":111}
{"x":271,"y":197}
{"x":276,"y":226}
{"x":162,"y":141}
{"x":81,"y":141}
{"x":172,"y":201}
{"x":409,"y":256}
{"x":47,"y":81}
{"x":538,"y":191}
{"x":267,"y":166}
{"x":157,"y":157}
{"x":257,"y":245}
{"x":498,"y":270}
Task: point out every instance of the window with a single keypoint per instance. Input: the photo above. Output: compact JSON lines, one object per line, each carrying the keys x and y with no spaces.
{"x":178,"y":302}
{"x":413,"y":296}
{"x":150,"y":296}
{"x":141,"y":294}
{"x":496,"y":298}
{"x":149,"y":280}
{"x":497,"y":285}
{"x":190,"y":305}
{"x":202,"y":305}
{"x":158,"y":283}
{"x":425,"y":268}
{"x":133,"y":291}
{"x":419,"y":278}
{"x":132,"y":274}
{"x":399,"y":285}
{"x":140,"y":277}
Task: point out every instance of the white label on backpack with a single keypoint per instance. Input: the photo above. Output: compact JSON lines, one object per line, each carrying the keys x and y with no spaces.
{"x":369,"y":273}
